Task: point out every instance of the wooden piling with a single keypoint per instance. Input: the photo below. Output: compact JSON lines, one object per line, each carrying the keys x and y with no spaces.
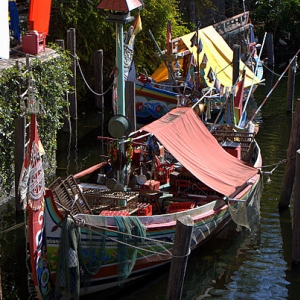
{"x":61,"y":44}
{"x":71,"y":46}
{"x":236,"y":63}
{"x":67,"y":123}
{"x":291,"y":86}
{"x":296,"y":214}
{"x":181,"y":250}
{"x":98,"y":75}
{"x":1,"y":294}
{"x":270,"y":48}
{"x":289,"y":173}
{"x":192,"y":11}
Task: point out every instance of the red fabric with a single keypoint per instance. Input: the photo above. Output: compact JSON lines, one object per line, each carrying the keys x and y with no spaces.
{"x":90,"y":170}
{"x":35,"y":220}
{"x":238,"y":100}
{"x":39,"y":15}
{"x":184,"y":135}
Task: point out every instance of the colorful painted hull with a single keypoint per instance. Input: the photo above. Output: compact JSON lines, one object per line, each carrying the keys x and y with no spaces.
{"x":151,"y":103}
{"x":208,"y":219}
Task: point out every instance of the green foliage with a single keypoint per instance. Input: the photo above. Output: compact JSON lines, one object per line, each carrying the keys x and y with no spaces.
{"x":278,"y":16}
{"x":155,"y":16}
{"x":52,"y":82}
{"x":94,"y":33}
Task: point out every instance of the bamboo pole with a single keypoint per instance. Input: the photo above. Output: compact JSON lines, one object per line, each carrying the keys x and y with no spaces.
{"x":181,"y":250}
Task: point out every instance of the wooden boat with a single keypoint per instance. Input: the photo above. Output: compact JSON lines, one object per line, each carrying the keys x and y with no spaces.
{"x":196,"y":62}
{"x":85,"y":237}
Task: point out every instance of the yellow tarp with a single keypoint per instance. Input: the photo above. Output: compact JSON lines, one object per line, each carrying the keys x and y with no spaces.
{"x":219,"y":58}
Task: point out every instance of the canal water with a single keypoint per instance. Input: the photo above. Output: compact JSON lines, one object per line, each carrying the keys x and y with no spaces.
{"x":252,"y":264}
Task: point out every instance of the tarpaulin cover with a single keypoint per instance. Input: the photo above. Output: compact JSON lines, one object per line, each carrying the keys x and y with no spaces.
{"x":185,"y":136}
{"x":219,"y":58}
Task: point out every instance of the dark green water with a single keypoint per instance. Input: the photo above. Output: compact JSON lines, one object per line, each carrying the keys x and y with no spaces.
{"x":234,"y":265}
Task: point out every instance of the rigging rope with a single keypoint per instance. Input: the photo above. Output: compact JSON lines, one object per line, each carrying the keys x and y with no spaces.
{"x":274,"y":73}
{"x":272,"y":89}
{"x":154,"y":241}
{"x":82,"y":75}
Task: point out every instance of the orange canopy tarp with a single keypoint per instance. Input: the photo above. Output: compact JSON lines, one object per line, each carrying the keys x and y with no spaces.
{"x":185,"y":136}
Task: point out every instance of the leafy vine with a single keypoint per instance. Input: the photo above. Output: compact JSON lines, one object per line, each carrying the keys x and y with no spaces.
{"x":52,"y":83}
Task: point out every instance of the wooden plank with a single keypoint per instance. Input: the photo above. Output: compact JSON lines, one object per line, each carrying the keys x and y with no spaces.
{"x":232,"y":23}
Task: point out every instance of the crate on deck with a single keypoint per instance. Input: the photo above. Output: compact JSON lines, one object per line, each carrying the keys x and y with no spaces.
{"x":163,"y":171}
{"x":123,"y":212}
{"x":151,"y":197}
{"x":233,"y":148}
{"x":150,"y":185}
{"x":111,"y":200}
{"x":144,"y":209}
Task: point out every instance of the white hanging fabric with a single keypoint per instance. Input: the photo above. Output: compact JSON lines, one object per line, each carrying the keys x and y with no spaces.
{"x":4,"y":30}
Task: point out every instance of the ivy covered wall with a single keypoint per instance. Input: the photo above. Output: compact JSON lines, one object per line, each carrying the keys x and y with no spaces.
{"x":51,"y":80}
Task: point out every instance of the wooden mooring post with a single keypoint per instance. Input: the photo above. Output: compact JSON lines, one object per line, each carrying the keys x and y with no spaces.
{"x":67,"y":122}
{"x":296,"y":214}
{"x":181,"y":251}
{"x":236,"y":63}
{"x":270,"y":48}
{"x":1,"y":295}
{"x":291,"y":86}
{"x":71,"y":46}
{"x":289,"y":172}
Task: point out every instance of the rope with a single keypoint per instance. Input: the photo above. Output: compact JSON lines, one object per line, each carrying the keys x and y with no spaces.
{"x":182,"y":256}
{"x":82,"y":223}
{"x":129,"y":235}
{"x":274,"y":73}
{"x":224,"y":68}
{"x":82,"y":75}
{"x":270,"y":92}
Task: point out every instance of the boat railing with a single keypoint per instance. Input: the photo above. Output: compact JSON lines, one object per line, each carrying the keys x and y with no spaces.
{"x":244,"y":138}
{"x":68,"y":194}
